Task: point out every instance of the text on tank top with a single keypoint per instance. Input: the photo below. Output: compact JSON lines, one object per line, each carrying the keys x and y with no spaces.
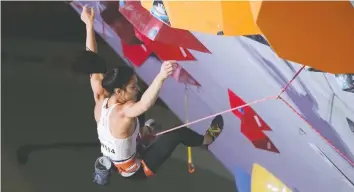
{"x":115,"y":149}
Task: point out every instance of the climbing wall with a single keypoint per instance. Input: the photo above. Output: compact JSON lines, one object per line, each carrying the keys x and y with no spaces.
{"x":271,"y":136}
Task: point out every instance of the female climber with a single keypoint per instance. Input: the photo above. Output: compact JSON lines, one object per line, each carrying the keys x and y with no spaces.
{"x":116,"y":111}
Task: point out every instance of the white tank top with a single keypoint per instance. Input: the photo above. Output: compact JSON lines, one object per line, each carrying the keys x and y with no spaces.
{"x":116,"y":149}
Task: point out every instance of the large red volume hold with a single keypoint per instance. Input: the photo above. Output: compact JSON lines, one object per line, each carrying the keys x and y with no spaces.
{"x":156,"y":30}
{"x":137,"y":54}
{"x":252,"y":125}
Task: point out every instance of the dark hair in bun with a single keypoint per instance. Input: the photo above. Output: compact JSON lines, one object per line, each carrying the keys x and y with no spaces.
{"x":117,"y":77}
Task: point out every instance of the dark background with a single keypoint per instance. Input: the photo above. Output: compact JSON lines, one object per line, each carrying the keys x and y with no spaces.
{"x":55,"y":21}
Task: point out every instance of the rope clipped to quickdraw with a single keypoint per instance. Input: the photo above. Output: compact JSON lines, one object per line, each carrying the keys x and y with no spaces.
{"x":191,"y":167}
